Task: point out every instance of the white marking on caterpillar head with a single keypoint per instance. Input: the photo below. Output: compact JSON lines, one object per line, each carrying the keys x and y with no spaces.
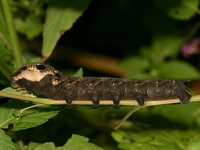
{"x":33,"y":72}
{"x":32,"y":75}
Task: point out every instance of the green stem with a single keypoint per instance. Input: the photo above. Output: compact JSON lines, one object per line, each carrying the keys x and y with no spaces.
{"x":5,"y":69}
{"x":12,"y":32}
{"x":42,"y":101}
{"x":6,"y":93}
{"x":22,"y":110}
{"x":134,"y":109}
{"x":193,"y":31}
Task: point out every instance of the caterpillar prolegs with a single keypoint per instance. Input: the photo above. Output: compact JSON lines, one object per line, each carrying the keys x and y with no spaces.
{"x":44,"y":80}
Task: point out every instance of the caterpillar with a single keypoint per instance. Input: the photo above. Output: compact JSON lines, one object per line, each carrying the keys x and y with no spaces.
{"x":44,"y":80}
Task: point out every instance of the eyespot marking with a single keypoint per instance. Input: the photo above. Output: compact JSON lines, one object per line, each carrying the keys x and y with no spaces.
{"x":58,"y":73}
{"x":33,"y":72}
{"x":40,"y":66}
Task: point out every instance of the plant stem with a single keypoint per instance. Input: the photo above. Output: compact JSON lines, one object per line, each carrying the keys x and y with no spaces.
{"x":43,"y":101}
{"x":5,"y":69}
{"x":12,"y":32}
{"x":193,"y":31}
{"x":134,"y":109}
{"x":195,"y":98}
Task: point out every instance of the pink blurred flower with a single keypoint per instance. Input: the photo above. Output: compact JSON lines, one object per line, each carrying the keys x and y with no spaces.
{"x":191,"y":47}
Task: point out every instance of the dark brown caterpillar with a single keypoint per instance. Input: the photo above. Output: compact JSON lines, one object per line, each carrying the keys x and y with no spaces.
{"x":44,"y":80}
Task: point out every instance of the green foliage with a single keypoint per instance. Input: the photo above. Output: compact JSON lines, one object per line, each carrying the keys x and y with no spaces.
{"x":171,"y":70}
{"x":162,"y":127}
{"x":185,"y":114}
{"x":71,"y":144}
{"x":79,"y":73}
{"x":179,"y":9}
{"x":60,"y":17}
{"x":82,"y":145}
{"x":178,"y":70}
{"x":158,"y":139}
{"x":6,"y":142}
{"x":31,"y":27}
{"x":28,"y":118}
{"x":147,"y":37}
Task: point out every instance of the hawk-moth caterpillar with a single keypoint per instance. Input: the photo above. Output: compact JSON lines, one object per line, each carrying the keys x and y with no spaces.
{"x":44,"y":80}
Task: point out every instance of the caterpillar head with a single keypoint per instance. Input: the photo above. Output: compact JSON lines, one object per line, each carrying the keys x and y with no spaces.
{"x":33,"y":73}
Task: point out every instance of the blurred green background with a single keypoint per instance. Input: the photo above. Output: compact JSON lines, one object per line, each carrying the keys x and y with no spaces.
{"x":146,"y":39}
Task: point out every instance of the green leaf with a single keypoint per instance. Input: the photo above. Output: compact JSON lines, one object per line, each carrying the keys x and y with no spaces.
{"x":32,"y":145}
{"x":45,"y":146}
{"x":5,"y":142}
{"x":157,"y":139}
{"x":79,"y":73}
{"x":178,"y":9}
{"x":80,"y":143}
{"x":134,"y":64}
{"x":76,"y":142}
{"x":14,"y":91}
{"x":10,"y":114}
{"x":31,"y":26}
{"x":178,"y":70}
{"x":195,"y":145}
{"x":136,"y":67}
{"x":61,"y":15}
{"x":186,"y":115}
{"x":164,"y":45}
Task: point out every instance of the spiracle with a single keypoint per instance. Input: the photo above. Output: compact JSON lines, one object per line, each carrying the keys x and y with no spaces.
{"x":44,"y":80}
